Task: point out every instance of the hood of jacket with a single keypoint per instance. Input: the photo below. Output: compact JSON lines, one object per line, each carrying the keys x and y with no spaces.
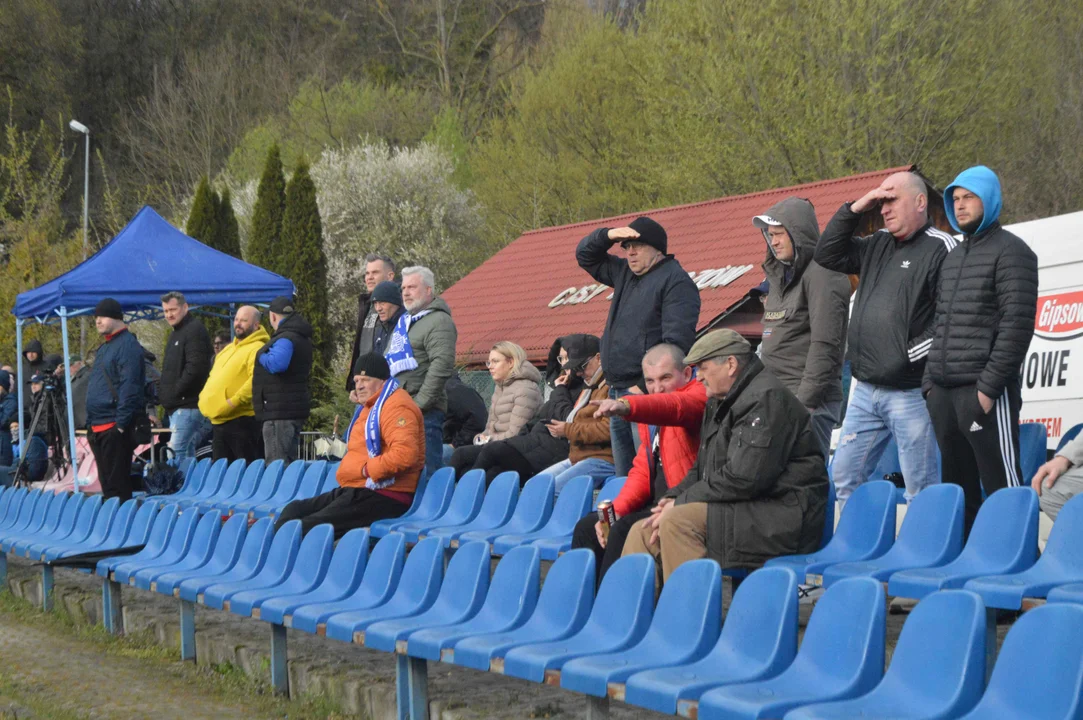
{"x":438,"y":305}
{"x":34,"y":346}
{"x":525,"y":371}
{"x":798,"y":216}
{"x":259,"y":336}
{"x":295,"y":323}
{"x":984,"y":183}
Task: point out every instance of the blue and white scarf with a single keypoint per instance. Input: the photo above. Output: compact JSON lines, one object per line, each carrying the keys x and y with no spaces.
{"x":399,"y":353}
{"x":372,"y":430}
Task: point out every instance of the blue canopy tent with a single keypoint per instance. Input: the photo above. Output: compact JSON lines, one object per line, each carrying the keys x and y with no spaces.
{"x":147,"y":258}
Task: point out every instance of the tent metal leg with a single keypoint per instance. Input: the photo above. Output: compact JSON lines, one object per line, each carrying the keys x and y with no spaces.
{"x":69,"y":397}
{"x":19,"y":371}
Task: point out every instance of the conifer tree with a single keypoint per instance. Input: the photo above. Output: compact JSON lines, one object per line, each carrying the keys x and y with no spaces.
{"x":203,"y":218}
{"x":302,"y":254}
{"x":229,"y":233}
{"x":265,"y":238}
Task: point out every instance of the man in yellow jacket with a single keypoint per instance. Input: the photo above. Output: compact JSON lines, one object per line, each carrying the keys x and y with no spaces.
{"x":226,"y":398}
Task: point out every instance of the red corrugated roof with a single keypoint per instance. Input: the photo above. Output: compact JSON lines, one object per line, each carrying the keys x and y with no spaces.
{"x":508,"y":296}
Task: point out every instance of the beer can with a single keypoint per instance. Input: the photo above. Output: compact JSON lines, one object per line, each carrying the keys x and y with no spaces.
{"x":606,"y":516}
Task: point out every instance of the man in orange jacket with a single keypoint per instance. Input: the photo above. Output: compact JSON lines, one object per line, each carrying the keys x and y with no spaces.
{"x":385,"y":453}
{"x":668,"y":419}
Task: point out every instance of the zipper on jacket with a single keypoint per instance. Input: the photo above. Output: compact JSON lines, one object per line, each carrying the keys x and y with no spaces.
{"x":951,"y":306}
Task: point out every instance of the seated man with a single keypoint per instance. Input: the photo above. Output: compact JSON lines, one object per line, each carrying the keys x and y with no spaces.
{"x":1060,"y":479}
{"x":668,"y":420}
{"x":384,"y":457}
{"x":758,"y":488}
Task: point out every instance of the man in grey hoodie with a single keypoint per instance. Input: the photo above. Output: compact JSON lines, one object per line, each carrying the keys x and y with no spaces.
{"x":804,"y":314}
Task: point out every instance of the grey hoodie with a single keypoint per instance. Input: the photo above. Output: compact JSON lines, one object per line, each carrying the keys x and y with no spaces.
{"x":805,"y":315}
{"x":432,"y":338}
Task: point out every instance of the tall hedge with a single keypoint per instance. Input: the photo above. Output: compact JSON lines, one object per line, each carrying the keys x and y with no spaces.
{"x":265,"y":238}
{"x":302,"y":255}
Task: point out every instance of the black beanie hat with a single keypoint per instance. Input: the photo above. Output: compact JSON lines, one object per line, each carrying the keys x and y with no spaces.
{"x":282,"y":305}
{"x":388,"y":292}
{"x":650,"y":233}
{"x":110,"y":308}
{"x":372,"y":365}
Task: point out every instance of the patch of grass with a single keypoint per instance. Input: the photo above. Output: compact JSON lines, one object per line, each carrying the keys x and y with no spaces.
{"x":28,"y":697}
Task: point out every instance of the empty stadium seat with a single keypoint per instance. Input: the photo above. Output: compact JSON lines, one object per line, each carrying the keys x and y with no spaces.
{"x":611,"y":488}
{"x":199,"y":552}
{"x":309,"y":487}
{"x":155,"y":544}
{"x":1067,"y":438}
{"x":31,"y":501}
{"x":841,"y":656}
{"x":1039,"y":673}
{"x":621,"y":614}
{"x":245,"y":487}
{"x":574,"y":502}
{"x":496,"y":509}
{"x":280,"y":559}
{"x":758,"y":640}
{"x":379,"y":581}
{"x":431,"y":498}
{"x":931,"y":535}
{"x":684,"y":628}
{"x":1032,"y":449}
{"x":216,"y":488}
{"x":103,"y":520}
{"x":866,"y":531}
{"x":418,"y":586}
{"x":532,"y":511}
{"x":561,"y":610}
{"x":510,"y":601}
{"x":80,"y":530}
{"x":180,"y":539}
{"x":10,"y":503}
{"x":269,"y":496}
{"x":131,"y":527}
{"x":307,"y":571}
{"x":59,"y":529}
{"x":45,"y":513}
{"x":1004,"y":540}
{"x":465,"y":506}
{"x":224,"y":554}
{"x":253,"y":554}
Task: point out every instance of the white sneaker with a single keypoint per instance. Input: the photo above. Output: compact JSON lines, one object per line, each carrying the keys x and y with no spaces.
{"x":808,"y":594}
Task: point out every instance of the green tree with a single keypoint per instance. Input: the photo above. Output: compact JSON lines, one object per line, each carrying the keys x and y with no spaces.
{"x":265,"y":237}
{"x":229,"y":233}
{"x":203,"y":218}
{"x":302,"y":239}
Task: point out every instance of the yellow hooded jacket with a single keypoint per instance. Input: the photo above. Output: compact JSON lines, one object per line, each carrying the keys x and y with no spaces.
{"x":231,"y":379}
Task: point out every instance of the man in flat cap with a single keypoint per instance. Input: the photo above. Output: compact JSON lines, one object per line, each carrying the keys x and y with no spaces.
{"x":280,"y":396}
{"x":654,"y":301}
{"x":758,"y":488}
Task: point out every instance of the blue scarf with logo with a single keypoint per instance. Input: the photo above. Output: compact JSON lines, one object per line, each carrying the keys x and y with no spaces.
{"x":372,"y":429}
{"x":399,"y":353}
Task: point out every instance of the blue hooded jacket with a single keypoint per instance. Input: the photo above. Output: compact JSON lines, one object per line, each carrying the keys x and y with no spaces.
{"x":984,"y":183}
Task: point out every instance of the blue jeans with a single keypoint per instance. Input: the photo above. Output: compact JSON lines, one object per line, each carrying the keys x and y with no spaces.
{"x":187,"y":427}
{"x":564,"y":471}
{"x":434,"y":441}
{"x":624,"y":437}
{"x":876,"y":414}
{"x":445,"y":455}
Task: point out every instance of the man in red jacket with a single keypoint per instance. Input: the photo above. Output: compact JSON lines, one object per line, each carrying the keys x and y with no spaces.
{"x":668,"y":419}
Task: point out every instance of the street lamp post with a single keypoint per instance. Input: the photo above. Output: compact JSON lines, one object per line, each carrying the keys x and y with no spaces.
{"x":81,"y":128}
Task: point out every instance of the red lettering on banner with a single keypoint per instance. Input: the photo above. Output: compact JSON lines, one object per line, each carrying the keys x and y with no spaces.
{"x":1052,"y":425}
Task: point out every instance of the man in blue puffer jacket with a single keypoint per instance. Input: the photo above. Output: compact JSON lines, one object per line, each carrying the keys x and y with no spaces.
{"x":983,"y":324}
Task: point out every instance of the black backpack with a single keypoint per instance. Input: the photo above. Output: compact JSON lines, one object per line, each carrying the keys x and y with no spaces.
{"x":161,"y":478}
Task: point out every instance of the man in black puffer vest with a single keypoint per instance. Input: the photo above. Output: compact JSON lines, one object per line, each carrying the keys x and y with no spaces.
{"x":280,"y":394}
{"x":984,"y":321}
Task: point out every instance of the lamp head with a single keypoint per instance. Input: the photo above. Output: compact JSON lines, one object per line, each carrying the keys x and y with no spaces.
{"x":79,"y":127}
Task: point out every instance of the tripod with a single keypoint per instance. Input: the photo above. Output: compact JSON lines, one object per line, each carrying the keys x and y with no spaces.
{"x":49,"y":415}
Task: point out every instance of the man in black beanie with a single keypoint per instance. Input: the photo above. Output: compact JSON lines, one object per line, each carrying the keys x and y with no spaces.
{"x":387,"y":302}
{"x":280,"y":396}
{"x":654,"y":301}
{"x":114,"y":400}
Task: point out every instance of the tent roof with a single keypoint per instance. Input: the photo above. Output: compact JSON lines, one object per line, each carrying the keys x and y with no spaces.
{"x":147,"y":258}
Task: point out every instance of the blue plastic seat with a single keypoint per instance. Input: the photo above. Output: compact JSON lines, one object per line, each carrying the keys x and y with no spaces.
{"x":866,"y":531}
{"x":758,"y":641}
{"x":280,"y":559}
{"x":268,"y":496}
{"x":574,"y":502}
{"x":685,"y":627}
{"x":621,"y":614}
{"x":46,"y":513}
{"x":198,"y":553}
{"x":841,"y":656}
{"x":309,"y":487}
{"x":465,"y":506}
{"x":531,"y":512}
{"x":6,"y":494}
{"x":937,"y":669}
{"x":26,"y":509}
{"x":344,"y":574}
{"x":262,"y":483}
{"x":130,"y":527}
{"x":418,"y":586}
{"x":212,"y":492}
{"x":611,"y":489}
{"x":234,"y":492}
{"x":208,"y":485}
{"x":224,"y":552}
{"x":431,"y":500}
{"x":60,"y":528}
{"x":465,"y":585}
{"x":561,"y":610}
{"x":157,"y":539}
{"x":180,"y":539}
{"x":103,"y":514}
{"x":1004,"y":540}
{"x":1032,"y":443}
{"x":1060,"y":564}
{"x":496,"y":510}
{"x":13,"y":500}
{"x":1039,"y":672}
{"x":330,"y":478}
{"x":79,"y":532}
{"x":1065,"y":439}
{"x":249,"y":561}
{"x":510,"y":601}
{"x":931,"y":535}
{"x":306,"y":573}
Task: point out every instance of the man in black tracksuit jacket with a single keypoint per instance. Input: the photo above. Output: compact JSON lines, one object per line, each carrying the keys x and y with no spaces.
{"x":891,"y":329}
{"x":185,"y":367}
{"x":654,"y":301}
{"x":984,"y":321}
{"x":280,"y":395}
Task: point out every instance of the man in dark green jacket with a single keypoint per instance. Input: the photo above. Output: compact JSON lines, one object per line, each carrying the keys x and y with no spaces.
{"x":758,"y":488}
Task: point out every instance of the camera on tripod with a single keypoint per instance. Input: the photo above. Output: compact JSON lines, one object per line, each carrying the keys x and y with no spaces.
{"x":48,"y":426}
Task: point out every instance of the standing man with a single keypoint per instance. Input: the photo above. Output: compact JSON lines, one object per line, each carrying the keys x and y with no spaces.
{"x":226,"y":398}
{"x":891,"y":330}
{"x":33,"y":362}
{"x":804,"y":314}
{"x":114,"y":400}
{"x":984,"y":321}
{"x":378,"y":269}
{"x":185,"y":367}
{"x":280,"y":394}
{"x":654,"y":301}
{"x":421,"y":354}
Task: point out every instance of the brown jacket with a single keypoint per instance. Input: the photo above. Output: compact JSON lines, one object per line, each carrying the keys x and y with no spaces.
{"x":588,"y":435}
{"x":514,"y":403}
{"x":402,"y":455}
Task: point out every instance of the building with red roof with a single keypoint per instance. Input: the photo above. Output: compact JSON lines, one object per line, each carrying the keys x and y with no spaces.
{"x":532,"y":291}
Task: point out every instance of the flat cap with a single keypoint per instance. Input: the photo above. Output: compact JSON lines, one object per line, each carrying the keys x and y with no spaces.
{"x":718,"y":343}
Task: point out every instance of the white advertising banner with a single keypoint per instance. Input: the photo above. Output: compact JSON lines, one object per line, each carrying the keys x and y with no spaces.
{"x":1053,"y":370}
